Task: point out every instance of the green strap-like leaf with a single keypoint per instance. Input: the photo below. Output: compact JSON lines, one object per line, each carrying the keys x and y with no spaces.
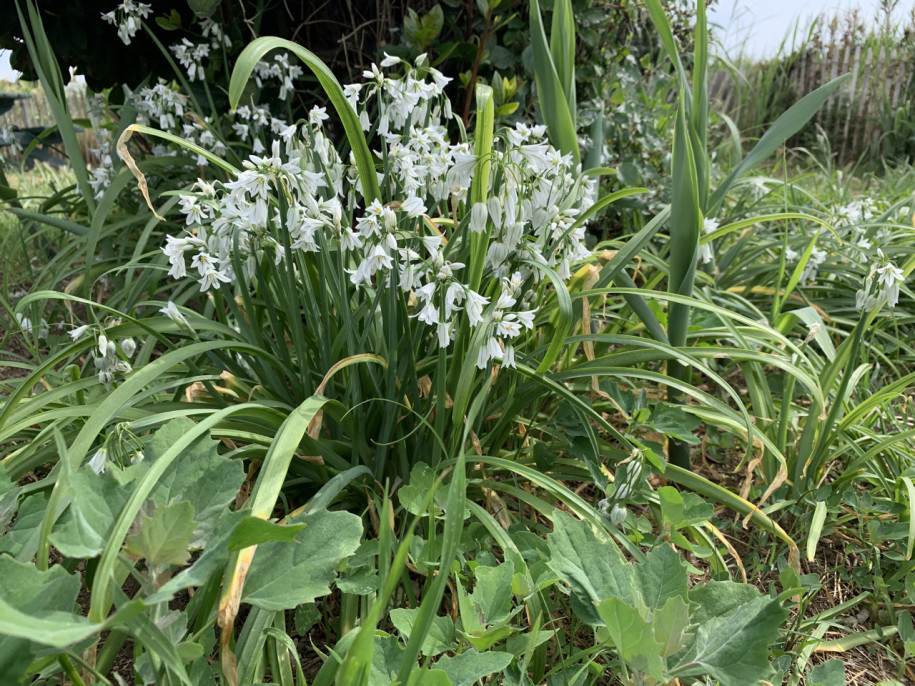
{"x":562,"y":50}
{"x":792,"y":121}
{"x":50,"y":220}
{"x":483,"y":148}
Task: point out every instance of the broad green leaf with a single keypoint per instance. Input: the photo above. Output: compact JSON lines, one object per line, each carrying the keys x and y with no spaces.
{"x":145,"y":483}
{"x":306,"y":616}
{"x":492,"y":594}
{"x":22,"y":539}
{"x":31,"y":606}
{"x":674,"y":422}
{"x":362,"y":582}
{"x":201,"y":476}
{"x":422,"y":479}
{"x":662,"y":577}
{"x":439,"y":638}
{"x":669,"y":625}
{"x":428,"y":677}
{"x":284,"y":575}
{"x":682,"y":508}
{"x":486,"y":639}
{"x":164,"y":537}
{"x":595,"y":569}
{"x":719,"y":598}
{"x":829,"y":673}
{"x":255,"y":531}
{"x":214,"y":557}
{"x":84,"y":528}
{"x":470,"y":666}
{"x":31,"y":591}
{"x":387,"y":658}
{"x":734,"y":649}
{"x":53,"y":628}
{"x":632,"y":636}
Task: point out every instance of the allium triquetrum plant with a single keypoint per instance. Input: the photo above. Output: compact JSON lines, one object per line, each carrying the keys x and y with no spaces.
{"x":451,"y":258}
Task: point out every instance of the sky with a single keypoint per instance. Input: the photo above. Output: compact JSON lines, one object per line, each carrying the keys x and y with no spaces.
{"x":757,"y":26}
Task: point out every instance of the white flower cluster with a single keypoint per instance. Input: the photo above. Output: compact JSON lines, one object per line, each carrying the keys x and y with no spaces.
{"x":104,"y":171}
{"x":809,"y":273}
{"x":400,"y":97}
{"x":214,"y":32}
{"x":881,"y":285}
{"x":202,"y":133}
{"x":279,"y":69}
{"x":127,"y":17}
{"x":625,"y":484}
{"x":161,"y":104}
{"x":854,"y":213}
{"x":255,"y":123}
{"x":108,"y":363}
{"x":191,"y":57}
{"x":121,"y":447}
{"x":705,"y":249}
{"x":530,"y":217}
{"x":28,"y":327}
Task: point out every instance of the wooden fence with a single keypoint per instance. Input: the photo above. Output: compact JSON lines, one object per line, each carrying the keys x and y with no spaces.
{"x":871,"y":114}
{"x":35,"y":111}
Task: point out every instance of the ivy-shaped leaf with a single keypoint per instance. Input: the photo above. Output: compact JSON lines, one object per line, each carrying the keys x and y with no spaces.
{"x":734,"y":649}
{"x":164,"y":538}
{"x":284,"y":575}
{"x":85,"y":526}
{"x":201,"y":476}
{"x":633,"y":637}
{"x":469,"y":667}
{"x":595,"y":569}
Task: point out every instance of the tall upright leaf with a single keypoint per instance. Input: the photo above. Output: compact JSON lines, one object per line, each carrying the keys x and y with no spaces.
{"x":686,"y":218}
{"x":562,"y":51}
{"x":554,"y":106}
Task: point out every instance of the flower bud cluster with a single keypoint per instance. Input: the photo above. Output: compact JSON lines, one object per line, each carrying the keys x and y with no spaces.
{"x":108,"y":363}
{"x":121,"y":447}
{"x":624,"y":486}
